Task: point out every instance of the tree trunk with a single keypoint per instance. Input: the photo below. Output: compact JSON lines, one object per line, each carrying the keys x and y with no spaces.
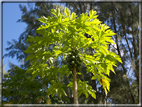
{"x":103,"y":95}
{"x":75,"y":85}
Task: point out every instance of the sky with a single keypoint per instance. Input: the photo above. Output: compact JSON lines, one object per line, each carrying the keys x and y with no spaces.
{"x":11,"y":28}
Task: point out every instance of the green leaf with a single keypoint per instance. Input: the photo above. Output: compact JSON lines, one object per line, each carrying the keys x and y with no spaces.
{"x":95,"y":22}
{"x":43,"y":19}
{"x":92,"y":13}
{"x":92,"y":93}
{"x":56,"y":12}
{"x":67,"y":12}
{"x":30,"y":57}
{"x":79,"y":73}
{"x":29,"y":51}
{"x":73,"y":16}
{"x":109,"y":33}
{"x":63,"y":91}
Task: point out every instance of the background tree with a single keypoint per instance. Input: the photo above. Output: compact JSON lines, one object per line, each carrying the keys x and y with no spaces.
{"x":22,"y":90}
{"x":123,"y":19}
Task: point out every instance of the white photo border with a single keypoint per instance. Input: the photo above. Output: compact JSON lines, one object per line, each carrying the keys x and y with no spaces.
{"x":1,"y":51}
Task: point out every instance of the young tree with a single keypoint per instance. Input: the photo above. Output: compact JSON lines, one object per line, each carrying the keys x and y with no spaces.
{"x":66,"y":33}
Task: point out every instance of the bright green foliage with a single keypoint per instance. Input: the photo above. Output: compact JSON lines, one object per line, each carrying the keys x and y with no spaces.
{"x":83,"y":88}
{"x":66,"y":32}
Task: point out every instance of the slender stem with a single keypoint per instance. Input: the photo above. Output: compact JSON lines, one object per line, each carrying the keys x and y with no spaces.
{"x":75,"y":85}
